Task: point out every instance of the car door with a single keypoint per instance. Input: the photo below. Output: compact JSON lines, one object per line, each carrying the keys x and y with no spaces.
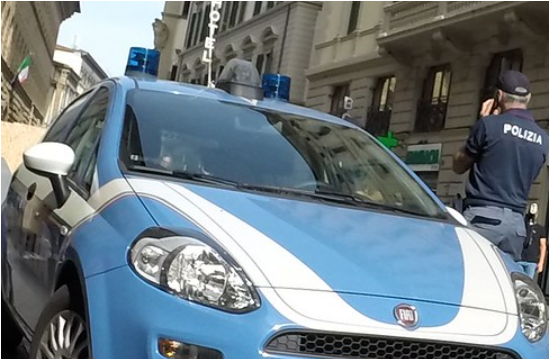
{"x":40,"y":241}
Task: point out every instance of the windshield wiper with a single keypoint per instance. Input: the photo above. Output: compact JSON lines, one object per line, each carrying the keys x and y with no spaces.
{"x":318,"y":194}
{"x":336,"y":197}
{"x":203,"y":178}
{"x":349,"y":198}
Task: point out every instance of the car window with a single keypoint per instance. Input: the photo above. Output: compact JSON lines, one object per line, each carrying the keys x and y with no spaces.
{"x":84,"y":139}
{"x":64,"y":122}
{"x":265,"y":148}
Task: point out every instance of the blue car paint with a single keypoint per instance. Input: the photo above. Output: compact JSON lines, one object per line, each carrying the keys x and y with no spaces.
{"x":128,"y":316}
{"x":103,"y":241}
{"x":372,"y":241}
{"x":167,"y":216}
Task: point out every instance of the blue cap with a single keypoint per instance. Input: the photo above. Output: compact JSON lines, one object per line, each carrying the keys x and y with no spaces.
{"x":276,"y":86}
{"x":143,"y":61}
{"x":513,"y":82}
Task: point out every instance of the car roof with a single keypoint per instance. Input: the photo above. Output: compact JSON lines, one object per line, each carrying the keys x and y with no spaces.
{"x":153,"y":84}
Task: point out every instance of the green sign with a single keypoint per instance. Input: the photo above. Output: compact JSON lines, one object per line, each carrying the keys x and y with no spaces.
{"x":389,"y":140}
{"x":424,"y":157}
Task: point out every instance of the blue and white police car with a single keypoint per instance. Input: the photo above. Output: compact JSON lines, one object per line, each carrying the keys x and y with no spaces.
{"x":166,"y":220}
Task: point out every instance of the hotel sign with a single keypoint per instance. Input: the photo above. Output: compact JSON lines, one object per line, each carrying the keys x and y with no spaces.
{"x":423,"y":157}
{"x":210,"y":41}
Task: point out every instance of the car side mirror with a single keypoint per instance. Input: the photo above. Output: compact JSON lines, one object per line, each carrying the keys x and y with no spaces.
{"x":54,"y":161}
{"x":457,"y":216}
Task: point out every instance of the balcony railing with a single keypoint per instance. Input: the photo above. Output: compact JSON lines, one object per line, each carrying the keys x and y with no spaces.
{"x":407,"y":15}
{"x":430,"y":116}
{"x":378,"y":122}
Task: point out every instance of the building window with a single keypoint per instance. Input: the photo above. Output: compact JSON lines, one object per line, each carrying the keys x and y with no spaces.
{"x":242,"y":11}
{"x":432,"y":107}
{"x":233,"y":14}
{"x":379,"y":114}
{"x":509,"y":60}
{"x":354,"y":16}
{"x":270,"y":4}
{"x":260,"y":63}
{"x":225,"y":17}
{"x":263,"y":63}
{"x":196,"y":32}
{"x":205,"y":21}
{"x":192,"y":27}
{"x":338,"y":95}
{"x":173,"y":72}
{"x":185,"y":9}
{"x":257,"y":7}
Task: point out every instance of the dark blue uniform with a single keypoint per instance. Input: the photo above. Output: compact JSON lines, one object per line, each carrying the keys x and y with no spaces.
{"x":509,"y":151}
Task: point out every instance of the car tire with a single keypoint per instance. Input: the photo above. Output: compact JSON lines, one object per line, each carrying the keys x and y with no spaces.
{"x":11,"y":335}
{"x":65,"y":318}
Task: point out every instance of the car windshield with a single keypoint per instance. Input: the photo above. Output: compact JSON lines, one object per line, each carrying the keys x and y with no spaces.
{"x":265,"y":151}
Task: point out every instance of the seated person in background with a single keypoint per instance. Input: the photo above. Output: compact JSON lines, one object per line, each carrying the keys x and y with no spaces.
{"x":533,"y":256}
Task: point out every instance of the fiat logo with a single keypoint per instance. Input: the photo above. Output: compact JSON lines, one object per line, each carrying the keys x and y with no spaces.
{"x":406,"y":315}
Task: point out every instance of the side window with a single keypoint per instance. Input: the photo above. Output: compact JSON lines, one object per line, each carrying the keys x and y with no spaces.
{"x":64,"y":122}
{"x":84,"y":139}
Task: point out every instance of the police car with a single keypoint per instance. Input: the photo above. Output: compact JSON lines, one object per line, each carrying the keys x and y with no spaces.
{"x":167,"y":220}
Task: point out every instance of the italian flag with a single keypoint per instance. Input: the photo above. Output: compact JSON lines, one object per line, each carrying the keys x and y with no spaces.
{"x":23,"y":70}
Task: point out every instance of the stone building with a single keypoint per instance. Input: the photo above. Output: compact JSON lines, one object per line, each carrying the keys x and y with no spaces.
{"x":421,"y":70}
{"x":30,"y":28}
{"x":75,"y":72}
{"x":170,"y":36}
{"x":276,"y":36}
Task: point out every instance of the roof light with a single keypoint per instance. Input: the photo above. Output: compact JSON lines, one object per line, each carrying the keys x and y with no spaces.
{"x":276,"y":86}
{"x":142,"y":61}
{"x":240,"y":78}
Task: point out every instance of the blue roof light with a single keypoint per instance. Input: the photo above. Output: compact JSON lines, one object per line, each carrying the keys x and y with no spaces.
{"x":142,"y":61}
{"x":276,"y":86}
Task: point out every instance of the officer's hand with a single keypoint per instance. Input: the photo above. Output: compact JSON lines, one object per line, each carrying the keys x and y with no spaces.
{"x":540,"y":267}
{"x":487,"y":107}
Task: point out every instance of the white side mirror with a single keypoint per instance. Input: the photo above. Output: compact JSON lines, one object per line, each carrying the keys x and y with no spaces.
{"x":49,"y":158}
{"x":54,"y":161}
{"x":457,"y":216}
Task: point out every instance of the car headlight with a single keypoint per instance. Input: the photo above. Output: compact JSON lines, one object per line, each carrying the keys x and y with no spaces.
{"x":532,"y":308}
{"x":191,"y":269}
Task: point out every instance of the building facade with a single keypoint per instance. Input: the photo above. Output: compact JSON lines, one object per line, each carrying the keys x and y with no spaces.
{"x":420,"y":70}
{"x":75,"y":72}
{"x":170,"y":34}
{"x":30,"y":28}
{"x":276,"y":36}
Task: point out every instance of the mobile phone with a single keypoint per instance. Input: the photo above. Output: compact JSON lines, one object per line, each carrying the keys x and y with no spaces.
{"x":495,"y":102}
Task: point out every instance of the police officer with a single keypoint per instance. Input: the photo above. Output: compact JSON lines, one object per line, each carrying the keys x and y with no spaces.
{"x":505,"y":152}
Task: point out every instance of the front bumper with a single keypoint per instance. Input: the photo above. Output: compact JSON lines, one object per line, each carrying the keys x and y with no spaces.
{"x":128,"y":316}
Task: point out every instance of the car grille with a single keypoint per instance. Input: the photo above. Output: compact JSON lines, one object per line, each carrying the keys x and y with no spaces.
{"x":370,"y":347}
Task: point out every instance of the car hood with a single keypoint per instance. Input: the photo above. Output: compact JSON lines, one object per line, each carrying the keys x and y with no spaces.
{"x":303,"y":245}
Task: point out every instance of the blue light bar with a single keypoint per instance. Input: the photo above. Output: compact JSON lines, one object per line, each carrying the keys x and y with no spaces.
{"x":142,"y":61}
{"x":276,"y":86}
